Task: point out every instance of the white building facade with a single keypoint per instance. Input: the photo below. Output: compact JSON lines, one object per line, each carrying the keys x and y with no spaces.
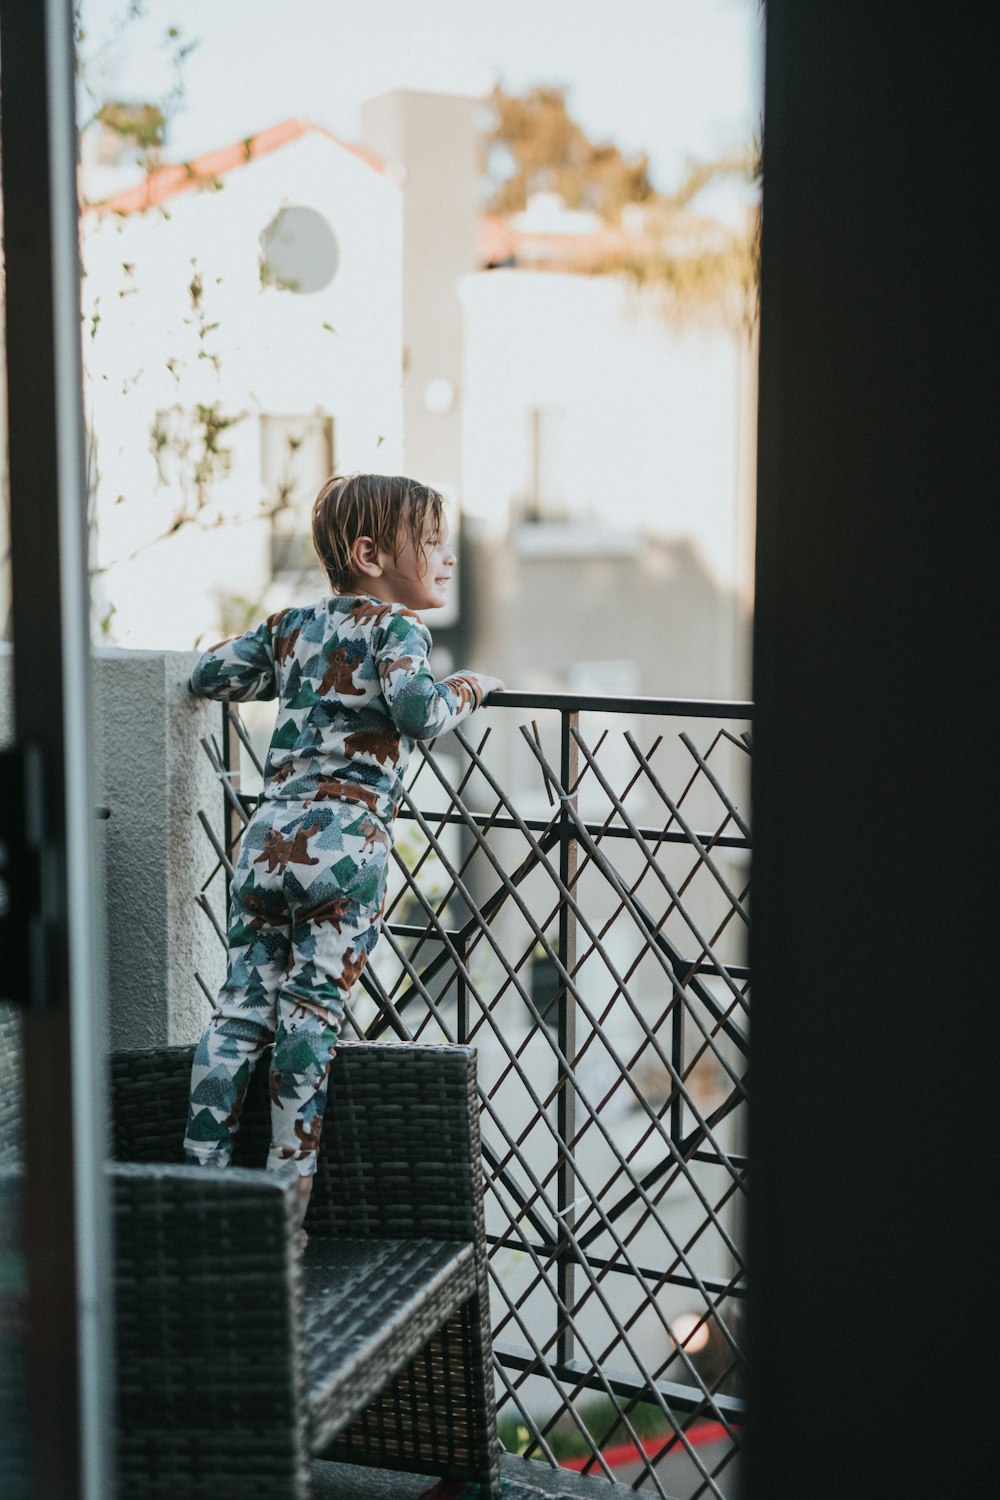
{"x":242,"y":339}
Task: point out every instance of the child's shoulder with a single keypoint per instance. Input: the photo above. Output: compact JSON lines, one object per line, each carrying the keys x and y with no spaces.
{"x":335,"y":610}
{"x":371,"y":615}
{"x":285,"y":623}
{"x":355,"y":616}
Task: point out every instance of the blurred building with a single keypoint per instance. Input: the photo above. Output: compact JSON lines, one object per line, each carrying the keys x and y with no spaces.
{"x":606,"y":461}
{"x":318,"y":306}
{"x":429,"y":145}
{"x":242,"y":335}
{"x":585,"y":400}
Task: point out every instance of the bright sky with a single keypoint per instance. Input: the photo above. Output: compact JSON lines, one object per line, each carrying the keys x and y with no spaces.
{"x":679,"y":79}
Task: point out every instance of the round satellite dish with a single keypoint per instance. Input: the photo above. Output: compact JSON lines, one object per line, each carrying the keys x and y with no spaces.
{"x":439,"y":396}
{"x":299,"y":251}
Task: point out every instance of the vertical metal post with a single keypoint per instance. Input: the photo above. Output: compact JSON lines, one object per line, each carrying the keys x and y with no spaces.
{"x":677,"y":1058}
{"x":65,"y":1220}
{"x":462,"y":993}
{"x":232,"y":826}
{"x":566,"y":1105}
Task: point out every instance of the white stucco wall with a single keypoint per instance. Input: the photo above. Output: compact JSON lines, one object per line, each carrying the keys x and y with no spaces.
{"x":280,"y":352}
{"x":155,"y":778}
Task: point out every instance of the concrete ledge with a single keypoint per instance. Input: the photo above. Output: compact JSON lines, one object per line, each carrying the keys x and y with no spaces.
{"x":154,"y":777}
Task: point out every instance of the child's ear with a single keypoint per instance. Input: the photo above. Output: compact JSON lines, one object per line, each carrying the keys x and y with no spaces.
{"x":364,"y":557}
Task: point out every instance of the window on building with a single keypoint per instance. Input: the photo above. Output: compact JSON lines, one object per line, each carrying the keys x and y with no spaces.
{"x":298,"y":251}
{"x":546,"y":496}
{"x":296,"y":456}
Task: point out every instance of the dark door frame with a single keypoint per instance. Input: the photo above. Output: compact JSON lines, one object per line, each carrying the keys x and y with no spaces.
{"x":873,"y":1086}
{"x":64,"y":1223}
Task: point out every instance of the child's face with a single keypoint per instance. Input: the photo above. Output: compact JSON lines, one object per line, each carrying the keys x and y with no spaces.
{"x":419,"y":576}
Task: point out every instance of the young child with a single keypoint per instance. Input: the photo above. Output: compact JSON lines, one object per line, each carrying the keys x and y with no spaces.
{"x":355,"y":691}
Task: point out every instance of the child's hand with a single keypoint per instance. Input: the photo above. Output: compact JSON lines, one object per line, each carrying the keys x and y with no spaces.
{"x":490,"y":684}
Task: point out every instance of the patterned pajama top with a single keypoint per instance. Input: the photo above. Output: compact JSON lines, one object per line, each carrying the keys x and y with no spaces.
{"x":355,"y":692}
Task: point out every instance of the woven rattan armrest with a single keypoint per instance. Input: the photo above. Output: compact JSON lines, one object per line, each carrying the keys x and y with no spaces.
{"x":209,"y":1334}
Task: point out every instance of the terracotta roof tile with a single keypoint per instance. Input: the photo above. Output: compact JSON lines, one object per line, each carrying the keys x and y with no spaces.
{"x":178,"y":177}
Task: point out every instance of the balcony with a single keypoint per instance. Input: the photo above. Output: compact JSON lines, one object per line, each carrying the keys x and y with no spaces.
{"x":570,"y":895}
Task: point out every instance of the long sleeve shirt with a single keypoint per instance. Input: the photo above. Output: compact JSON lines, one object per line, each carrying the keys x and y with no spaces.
{"x":355,"y":692}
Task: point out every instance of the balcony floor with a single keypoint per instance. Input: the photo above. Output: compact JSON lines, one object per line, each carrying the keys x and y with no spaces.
{"x":528,"y":1481}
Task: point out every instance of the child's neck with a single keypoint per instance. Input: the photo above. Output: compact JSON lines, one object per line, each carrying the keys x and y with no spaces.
{"x":370,"y":588}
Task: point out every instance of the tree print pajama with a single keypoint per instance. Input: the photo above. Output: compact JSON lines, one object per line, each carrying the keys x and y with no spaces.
{"x":355,"y":692}
{"x":304,"y":913}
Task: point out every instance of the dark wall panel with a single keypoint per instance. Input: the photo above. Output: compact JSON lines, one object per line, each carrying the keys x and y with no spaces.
{"x":872,"y":789}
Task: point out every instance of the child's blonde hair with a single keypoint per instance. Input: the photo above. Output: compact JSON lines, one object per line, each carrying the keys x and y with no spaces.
{"x":383,"y":507}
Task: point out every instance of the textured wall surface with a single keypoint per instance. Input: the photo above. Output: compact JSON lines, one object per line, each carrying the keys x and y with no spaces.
{"x":153,"y":776}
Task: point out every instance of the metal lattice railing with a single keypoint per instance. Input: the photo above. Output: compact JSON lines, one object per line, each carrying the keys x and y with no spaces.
{"x":569,"y":893}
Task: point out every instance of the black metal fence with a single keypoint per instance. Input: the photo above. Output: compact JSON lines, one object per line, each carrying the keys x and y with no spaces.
{"x":569,"y":894}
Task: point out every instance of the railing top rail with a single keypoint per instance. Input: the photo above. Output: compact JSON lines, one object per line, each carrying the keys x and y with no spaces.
{"x":696,"y":708}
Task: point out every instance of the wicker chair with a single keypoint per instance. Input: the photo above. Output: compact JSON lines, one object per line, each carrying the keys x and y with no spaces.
{"x":239,"y":1359}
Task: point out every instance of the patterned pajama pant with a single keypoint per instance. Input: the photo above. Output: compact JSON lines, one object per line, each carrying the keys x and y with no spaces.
{"x":304,"y":915}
